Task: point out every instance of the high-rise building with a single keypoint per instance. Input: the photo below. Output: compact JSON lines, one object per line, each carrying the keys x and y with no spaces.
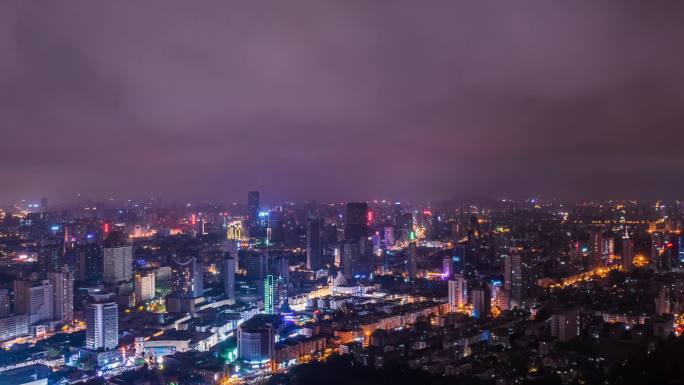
{"x":565,"y":325}
{"x":34,"y":298}
{"x":447,"y":267}
{"x":389,"y":236}
{"x":356,"y":221}
{"x":281,"y":268}
{"x":350,"y":258}
{"x":482,"y":302}
{"x":117,"y":263}
{"x":187,"y":278}
{"x":63,"y":287}
{"x":253,"y":205}
{"x":145,"y":286}
{"x":102,"y":323}
{"x":255,"y":264}
{"x":411,"y":261}
{"x":256,"y":341}
{"x":274,"y":294}
{"x":4,"y":302}
{"x":627,"y":252}
{"x":458,"y":291}
{"x":601,"y":247}
{"x":513,"y":277}
{"x":51,"y":253}
{"x":314,"y":246}
{"x":90,"y":263}
{"x":228,"y":276}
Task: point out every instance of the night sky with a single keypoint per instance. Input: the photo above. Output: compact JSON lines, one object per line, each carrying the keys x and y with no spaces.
{"x":342,"y":100}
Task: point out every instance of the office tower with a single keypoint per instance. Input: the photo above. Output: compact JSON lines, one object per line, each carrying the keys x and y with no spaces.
{"x":34,"y":298}
{"x":447,"y":267}
{"x":228,"y":277}
{"x":187,"y":278}
{"x":253,"y":205}
{"x":4,"y":302}
{"x":681,"y":250}
{"x":255,"y":264}
{"x":102,"y":322}
{"x":458,"y":256}
{"x":351,"y":255}
{"x":90,"y":262}
{"x":627,"y":252}
{"x":314,"y":246}
{"x":513,"y":277}
{"x":597,"y":246}
{"x":43,"y":207}
{"x":256,"y":342}
{"x":662,"y":302}
{"x":411,"y":262}
{"x":117,"y":263}
{"x":482,"y":302}
{"x":356,"y":221}
{"x":458,"y":291}
{"x":389,"y":236}
{"x":565,"y":325}
{"x":63,"y":287}
{"x":274,"y":294}
{"x":51,"y":253}
{"x":14,"y":325}
{"x":281,"y":268}
{"x":145,"y":286}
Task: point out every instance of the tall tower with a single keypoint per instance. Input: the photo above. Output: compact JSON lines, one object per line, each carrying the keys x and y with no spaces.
{"x":187,"y":278}
{"x":627,"y":252}
{"x":229,"y":276}
{"x":411,"y":263}
{"x":117,"y":263}
{"x":34,"y":298}
{"x":314,"y":248}
{"x":458,"y":291}
{"x":253,"y":205}
{"x":145,"y":287}
{"x":274,"y":294}
{"x":63,"y":287}
{"x":513,"y":277}
{"x":102,"y":323}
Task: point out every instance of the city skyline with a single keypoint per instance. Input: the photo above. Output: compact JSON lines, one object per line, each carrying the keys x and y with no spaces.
{"x":342,"y":101}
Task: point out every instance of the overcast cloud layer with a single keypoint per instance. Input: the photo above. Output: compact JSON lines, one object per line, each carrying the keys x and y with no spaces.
{"x":342,"y":100}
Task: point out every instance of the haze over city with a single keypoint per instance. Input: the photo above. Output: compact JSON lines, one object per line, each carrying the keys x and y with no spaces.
{"x":341,"y":100}
{"x":341,"y":192}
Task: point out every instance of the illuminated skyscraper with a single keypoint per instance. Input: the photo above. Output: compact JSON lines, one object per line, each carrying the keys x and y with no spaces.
{"x":145,"y":286}
{"x":102,"y":323}
{"x":274,"y":294}
{"x":482,"y":301}
{"x":458,"y":291}
{"x":228,"y":277}
{"x":63,"y":287}
{"x":411,"y":261}
{"x":513,"y":277}
{"x":117,"y":263}
{"x":4,"y":302}
{"x":627,"y":252}
{"x":187,"y":279}
{"x":314,"y":247}
{"x":34,"y":298}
